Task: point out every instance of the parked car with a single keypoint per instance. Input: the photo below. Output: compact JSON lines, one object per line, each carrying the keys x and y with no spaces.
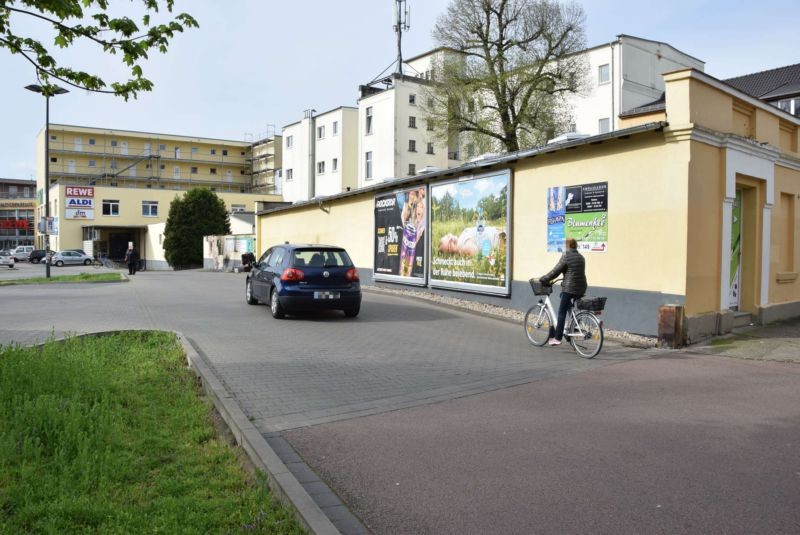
{"x":298,"y":278}
{"x":70,"y":257}
{"x":22,"y":252}
{"x":6,"y":259}
{"x":36,"y":256}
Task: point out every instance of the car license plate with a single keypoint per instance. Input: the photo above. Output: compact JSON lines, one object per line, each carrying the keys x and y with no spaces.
{"x":326,"y":295}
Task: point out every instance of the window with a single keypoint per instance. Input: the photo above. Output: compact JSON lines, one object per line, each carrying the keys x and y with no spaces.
{"x":335,"y":128}
{"x":412,"y":145}
{"x":224,"y":152}
{"x":113,"y":142}
{"x":412,"y":122}
{"x":369,"y":120}
{"x":237,"y":208}
{"x":150,"y":208}
{"x":53,"y":160}
{"x":195,"y":150}
{"x":162,"y":167}
{"x":113,"y":164}
{"x":412,"y":169}
{"x":412,"y":99}
{"x":92,"y":163}
{"x":289,"y":142}
{"x":110,"y":207}
{"x":241,"y":153}
{"x":213,"y":152}
{"x":52,"y":138}
{"x":368,"y":166}
{"x":241,"y":171}
{"x":320,"y":168}
{"x":603,"y":74}
{"x":321,"y":132}
{"x":162,"y":147}
{"x":289,"y":174}
{"x":213,"y":170}
{"x":603,"y":125}
{"x":335,"y":165}
{"x":194,"y":170}
{"x":92,"y":141}
{"x":428,"y":125}
{"x":430,"y":148}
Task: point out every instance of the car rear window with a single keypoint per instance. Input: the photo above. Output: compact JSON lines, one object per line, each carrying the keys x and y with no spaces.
{"x":321,"y":258}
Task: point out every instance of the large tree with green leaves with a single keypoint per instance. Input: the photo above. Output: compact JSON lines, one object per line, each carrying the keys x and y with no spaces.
{"x":73,"y":21}
{"x":507,"y":66}
{"x":200,"y":212}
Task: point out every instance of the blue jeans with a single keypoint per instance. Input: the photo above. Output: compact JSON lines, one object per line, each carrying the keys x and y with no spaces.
{"x":563,"y":308}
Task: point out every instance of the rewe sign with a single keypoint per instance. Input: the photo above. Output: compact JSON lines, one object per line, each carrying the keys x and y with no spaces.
{"x":79,"y":191}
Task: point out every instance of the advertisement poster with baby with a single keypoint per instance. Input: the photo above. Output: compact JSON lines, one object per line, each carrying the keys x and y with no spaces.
{"x":399,"y":234}
{"x":469,"y":234}
{"x":579,"y":212}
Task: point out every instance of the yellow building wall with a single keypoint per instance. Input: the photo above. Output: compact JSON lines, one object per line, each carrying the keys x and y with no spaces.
{"x":706,"y":190}
{"x":647,"y":212}
{"x":350,"y":224}
{"x":785,"y":237}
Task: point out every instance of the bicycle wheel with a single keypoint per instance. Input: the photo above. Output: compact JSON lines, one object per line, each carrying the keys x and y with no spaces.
{"x":538,"y":324}
{"x":588,"y":335}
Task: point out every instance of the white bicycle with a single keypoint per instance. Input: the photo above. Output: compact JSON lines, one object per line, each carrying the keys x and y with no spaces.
{"x":583,"y":330}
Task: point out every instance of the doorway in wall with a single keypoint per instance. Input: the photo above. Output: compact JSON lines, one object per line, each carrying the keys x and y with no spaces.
{"x":734,"y":294}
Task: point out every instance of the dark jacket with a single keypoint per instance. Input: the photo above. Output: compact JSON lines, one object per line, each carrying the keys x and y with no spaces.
{"x":573,"y":266}
{"x":131,"y":256}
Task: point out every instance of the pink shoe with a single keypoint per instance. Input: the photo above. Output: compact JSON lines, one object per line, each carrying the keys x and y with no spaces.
{"x":554,"y":342}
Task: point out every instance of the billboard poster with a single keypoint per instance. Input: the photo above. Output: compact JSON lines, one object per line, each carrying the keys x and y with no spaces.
{"x":470,"y":233}
{"x":579,"y":212}
{"x":400,"y":224}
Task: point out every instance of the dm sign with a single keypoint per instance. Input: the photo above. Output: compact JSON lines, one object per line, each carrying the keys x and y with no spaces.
{"x":79,"y":213}
{"x":74,"y":202}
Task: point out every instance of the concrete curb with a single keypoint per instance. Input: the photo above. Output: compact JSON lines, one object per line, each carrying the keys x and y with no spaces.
{"x":281,"y":481}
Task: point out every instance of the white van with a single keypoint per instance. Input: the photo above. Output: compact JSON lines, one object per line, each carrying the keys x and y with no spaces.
{"x":22,"y":252}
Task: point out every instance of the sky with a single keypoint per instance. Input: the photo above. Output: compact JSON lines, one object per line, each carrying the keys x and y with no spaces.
{"x":254,"y":66}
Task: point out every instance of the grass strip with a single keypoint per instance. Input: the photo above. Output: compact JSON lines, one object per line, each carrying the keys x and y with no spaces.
{"x":110,"y":435}
{"x":81,"y":277}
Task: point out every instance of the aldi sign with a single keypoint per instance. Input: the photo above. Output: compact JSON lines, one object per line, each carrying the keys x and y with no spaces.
{"x":75,"y":202}
{"x":79,"y":191}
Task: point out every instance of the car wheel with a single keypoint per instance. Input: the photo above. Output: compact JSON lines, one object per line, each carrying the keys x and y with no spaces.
{"x":275,"y":305}
{"x":35,"y":261}
{"x":352,"y":312}
{"x":248,"y":293}
{"x":60,"y":263}
{"x":87,"y":262}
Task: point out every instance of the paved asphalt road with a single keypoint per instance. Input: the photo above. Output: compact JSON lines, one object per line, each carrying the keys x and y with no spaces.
{"x":427,"y":420}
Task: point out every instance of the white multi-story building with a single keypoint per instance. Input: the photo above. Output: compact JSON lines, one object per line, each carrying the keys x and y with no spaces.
{"x":394,"y":138}
{"x":320,"y":154}
{"x":624,"y":74}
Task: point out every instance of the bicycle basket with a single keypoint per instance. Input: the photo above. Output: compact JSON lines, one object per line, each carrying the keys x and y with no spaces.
{"x":593,"y":304}
{"x":539,"y":288}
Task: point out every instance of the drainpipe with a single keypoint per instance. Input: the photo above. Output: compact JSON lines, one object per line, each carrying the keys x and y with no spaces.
{"x":312,"y":172}
{"x":613,"y":87}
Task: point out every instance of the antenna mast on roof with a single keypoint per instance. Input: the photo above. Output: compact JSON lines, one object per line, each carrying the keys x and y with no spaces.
{"x":402,"y":23}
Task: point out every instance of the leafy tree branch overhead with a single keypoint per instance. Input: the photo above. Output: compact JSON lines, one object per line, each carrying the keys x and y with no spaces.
{"x":72,"y":21}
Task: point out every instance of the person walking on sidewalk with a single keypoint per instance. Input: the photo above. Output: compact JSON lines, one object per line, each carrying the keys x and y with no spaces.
{"x":573,"y":266}
{"x":132,"y":259}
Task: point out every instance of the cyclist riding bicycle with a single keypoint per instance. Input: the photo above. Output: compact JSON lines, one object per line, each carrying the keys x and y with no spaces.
{"x":573,"y":266}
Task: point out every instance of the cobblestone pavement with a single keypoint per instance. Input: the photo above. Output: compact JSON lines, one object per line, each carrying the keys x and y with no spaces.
{"x":291,"y":373}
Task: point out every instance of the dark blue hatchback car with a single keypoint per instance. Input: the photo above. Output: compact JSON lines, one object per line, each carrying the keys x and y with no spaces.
{"x":301,"y":278}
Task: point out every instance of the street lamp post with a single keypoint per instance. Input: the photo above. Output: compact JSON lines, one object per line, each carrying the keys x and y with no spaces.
{"x":47,"y":91}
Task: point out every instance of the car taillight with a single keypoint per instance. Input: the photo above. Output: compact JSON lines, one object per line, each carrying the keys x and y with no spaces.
{"x":352,"y":274}
{"x":292,"y":274}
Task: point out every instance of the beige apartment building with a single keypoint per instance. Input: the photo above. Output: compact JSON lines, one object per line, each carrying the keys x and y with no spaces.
{"x":109,"y":187}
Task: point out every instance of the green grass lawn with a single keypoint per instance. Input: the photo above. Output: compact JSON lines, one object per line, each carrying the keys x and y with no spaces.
{"x":111,"y":435}
{"x":81,"y":277}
